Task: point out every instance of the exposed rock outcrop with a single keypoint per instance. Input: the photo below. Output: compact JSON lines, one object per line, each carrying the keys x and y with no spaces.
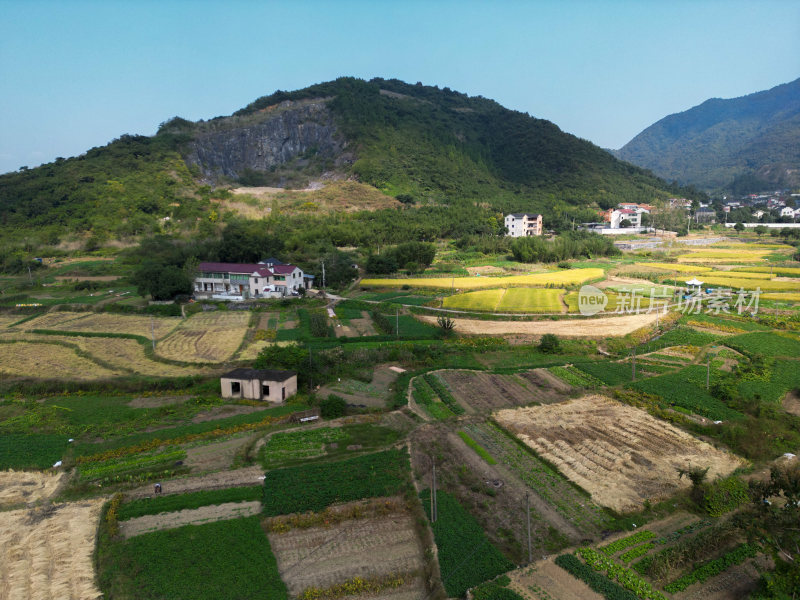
{"x":276,"y":136}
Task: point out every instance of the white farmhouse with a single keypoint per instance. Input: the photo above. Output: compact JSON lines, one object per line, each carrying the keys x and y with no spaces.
{"x":240,"y":281}
{"x":523,"y":224}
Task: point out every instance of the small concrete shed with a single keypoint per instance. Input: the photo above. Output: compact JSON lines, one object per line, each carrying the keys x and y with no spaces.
{"x":259,"y":384}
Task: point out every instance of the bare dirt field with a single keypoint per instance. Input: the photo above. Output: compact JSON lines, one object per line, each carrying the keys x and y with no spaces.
{"x":189,"y":516}
{"x":545,"y":579}
{"x":591,"y":328}
{"x":212,"y":457}
{"x":619,"y":454}
{"x":224,"y":411}
{"x":486,"y":392}
{"x":791,"y":403}
{"x":324,"y":556}
{"x":212,"y":481}
{"x":46,"y":553}
{"x":27,"y":486}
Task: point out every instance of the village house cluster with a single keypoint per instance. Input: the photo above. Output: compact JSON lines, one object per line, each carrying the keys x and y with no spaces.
{"x":523,"y":224}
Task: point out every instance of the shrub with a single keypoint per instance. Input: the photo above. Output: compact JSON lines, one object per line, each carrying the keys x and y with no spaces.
{"x":550,"y":343}
{"x":332,"y":407}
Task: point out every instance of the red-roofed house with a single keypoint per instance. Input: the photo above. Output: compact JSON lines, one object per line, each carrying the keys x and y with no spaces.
{"x":234,"y":281}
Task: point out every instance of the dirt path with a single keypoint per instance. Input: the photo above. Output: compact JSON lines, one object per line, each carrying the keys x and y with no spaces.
{"x":212,"y":481}
{"x":192,"y":516}
{"x":593,"y":328}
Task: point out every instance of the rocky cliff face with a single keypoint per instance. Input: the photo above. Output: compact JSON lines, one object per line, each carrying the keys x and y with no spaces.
{"x":273,"y":137}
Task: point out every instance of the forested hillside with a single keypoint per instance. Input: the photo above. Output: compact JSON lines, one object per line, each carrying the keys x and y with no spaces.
{"x":424,"y":145}
{"x":741,"y":145}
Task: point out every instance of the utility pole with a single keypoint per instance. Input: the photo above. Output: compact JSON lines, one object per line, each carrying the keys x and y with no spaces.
{"x":434,"y":502}
{"x":708,"y":370}
{"x":310,"y":370}
{"x":153,"y":332}
{"x":323,"y":274}
{"x":528,"y":511}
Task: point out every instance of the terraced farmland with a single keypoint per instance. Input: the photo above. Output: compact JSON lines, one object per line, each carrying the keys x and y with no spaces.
{"x":49,"y":361}
{"x":142,"y":325}
{"x":206,"y":337}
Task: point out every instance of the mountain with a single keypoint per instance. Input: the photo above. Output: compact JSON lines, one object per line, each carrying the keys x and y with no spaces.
{"x":423,"y":144}
{"x":741,"y":145}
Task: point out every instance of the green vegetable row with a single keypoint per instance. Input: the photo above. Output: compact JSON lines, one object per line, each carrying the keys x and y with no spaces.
{"x":713,"y":567}
{"x":174,"y":502}
{"x":625,"y":577}
{"x":626,"y":542}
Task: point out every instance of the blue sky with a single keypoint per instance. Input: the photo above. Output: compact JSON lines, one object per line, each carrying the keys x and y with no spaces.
{"x":76,"y":74}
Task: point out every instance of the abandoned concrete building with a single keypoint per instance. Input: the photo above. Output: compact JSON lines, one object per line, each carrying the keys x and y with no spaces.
{"x":259,"y":384}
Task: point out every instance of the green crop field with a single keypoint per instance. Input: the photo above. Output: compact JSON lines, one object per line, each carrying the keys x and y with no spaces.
{"x":768,"y":344}
{"x":686,"y":388}
{"x":226,"y":559}
{"x":34,"y":451}
{"x":609,"y":372}
{"x":466,"y":556}
{"x":299,"y":446}
{"x":316,"y":486}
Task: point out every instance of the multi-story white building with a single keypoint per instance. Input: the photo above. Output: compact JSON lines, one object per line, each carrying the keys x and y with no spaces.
{"x":523,"y":224}
{"x":262,"y":280}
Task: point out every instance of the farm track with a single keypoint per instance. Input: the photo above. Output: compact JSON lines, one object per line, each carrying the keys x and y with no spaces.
{"x":193,"y":516}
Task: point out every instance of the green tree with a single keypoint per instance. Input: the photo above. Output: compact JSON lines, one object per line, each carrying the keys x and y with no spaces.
{"x":739,"y":227}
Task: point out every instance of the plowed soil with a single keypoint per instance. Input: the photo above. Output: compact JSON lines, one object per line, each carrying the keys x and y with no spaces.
{"x":486,"y":392}
{"x":370,"y":547}
{"x":619,"y":454}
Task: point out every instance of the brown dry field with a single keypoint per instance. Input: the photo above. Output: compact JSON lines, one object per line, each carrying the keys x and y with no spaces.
{"x":6,"y":320}
{"x":206,"y":337}
{"x":213,"y":457}
{"x":48,"y":361}
{"x":46,"y":553}
{"x":370,"y":547}
{"x":382,"y":378}
{"x":27,"y":486}
{"x":791,"y":403}
{"x":619,"y":454}
{"x":485,"y":392}
{"x":591,"y":328}
{"x":189,"y":516}
{"x":251,"y":351}
{"x":104,"y":323}
{"x":124,"y":355}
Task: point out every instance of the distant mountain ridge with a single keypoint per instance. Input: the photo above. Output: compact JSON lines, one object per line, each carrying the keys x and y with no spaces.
{"x":740,"y":144}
